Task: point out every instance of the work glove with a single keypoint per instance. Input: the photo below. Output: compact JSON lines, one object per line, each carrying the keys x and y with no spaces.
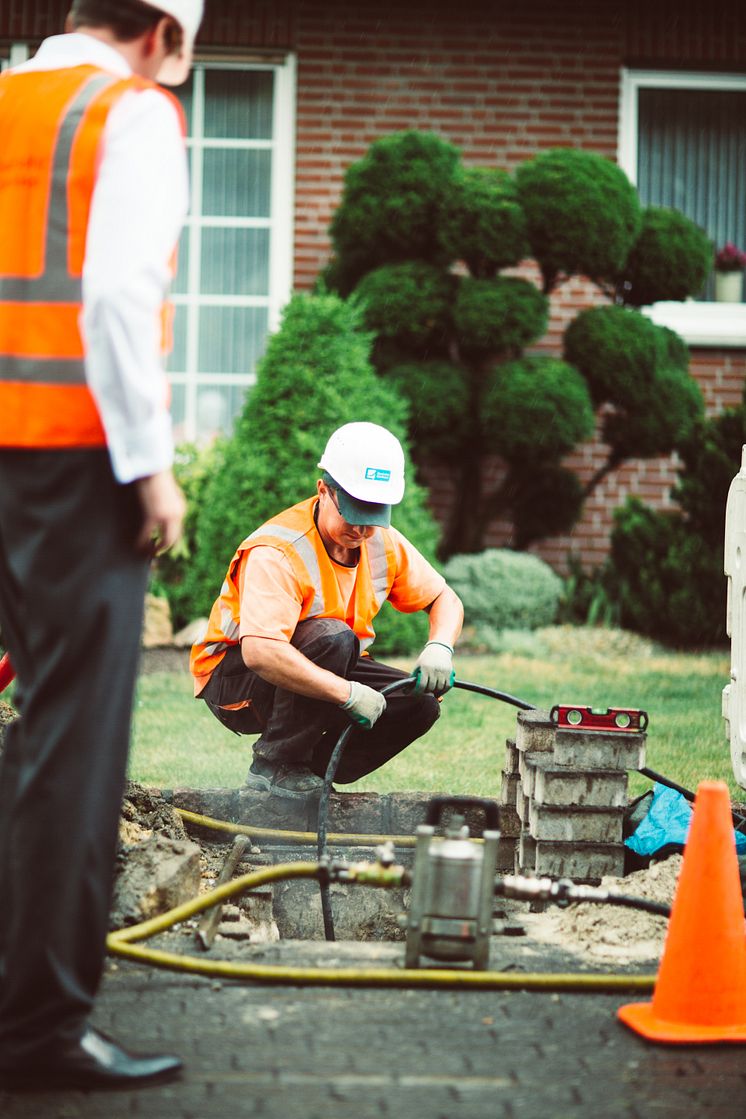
{"x":365,"y":705}
{"x":434,"y":668}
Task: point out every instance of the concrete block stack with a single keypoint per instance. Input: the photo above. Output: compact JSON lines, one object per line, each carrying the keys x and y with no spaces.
{"x":569,"y":791}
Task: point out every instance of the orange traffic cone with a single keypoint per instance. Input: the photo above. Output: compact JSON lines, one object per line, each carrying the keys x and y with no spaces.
{"x":700,"y":992}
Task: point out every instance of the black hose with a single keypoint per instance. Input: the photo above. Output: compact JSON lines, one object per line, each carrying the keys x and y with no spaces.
{"x":661,"y":780}
{"x":323,"y":816}
{"x":629,"y":902}
{"x":480,"y":689}
{"x":331,"y":769}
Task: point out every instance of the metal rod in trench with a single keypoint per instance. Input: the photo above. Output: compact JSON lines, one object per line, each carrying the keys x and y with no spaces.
{"x":208,"y":925}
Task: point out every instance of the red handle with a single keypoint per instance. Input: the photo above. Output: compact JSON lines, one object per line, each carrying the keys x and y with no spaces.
{"x":6,"y":672}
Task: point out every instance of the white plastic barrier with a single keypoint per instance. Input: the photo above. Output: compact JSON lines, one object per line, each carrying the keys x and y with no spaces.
{"x":734,"y":693}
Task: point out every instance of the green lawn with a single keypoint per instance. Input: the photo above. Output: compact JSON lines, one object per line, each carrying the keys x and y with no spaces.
{"x":177,"y":742}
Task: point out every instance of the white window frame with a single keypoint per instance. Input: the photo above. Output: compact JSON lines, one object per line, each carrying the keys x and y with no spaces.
{"x":19,"y":52}
{"x":698,"y":323}
{"x":280,"y":224}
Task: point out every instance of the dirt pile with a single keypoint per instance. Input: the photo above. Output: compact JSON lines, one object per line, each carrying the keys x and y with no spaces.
{"x":608,"y":932}
{"x":144,"y":811}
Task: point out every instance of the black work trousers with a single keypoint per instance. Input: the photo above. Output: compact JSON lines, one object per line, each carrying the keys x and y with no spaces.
{"x":71,"y":597}
{"x":296,"y":730}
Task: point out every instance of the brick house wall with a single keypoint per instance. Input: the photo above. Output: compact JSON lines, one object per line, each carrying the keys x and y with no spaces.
{"x":499,"y":80}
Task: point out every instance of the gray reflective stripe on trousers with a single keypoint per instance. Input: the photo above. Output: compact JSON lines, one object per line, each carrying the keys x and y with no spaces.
{"x":306,"y":552}
{"x":55,"y":284}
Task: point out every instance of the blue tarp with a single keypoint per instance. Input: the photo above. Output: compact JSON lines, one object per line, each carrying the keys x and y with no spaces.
{"x":666,"y":823}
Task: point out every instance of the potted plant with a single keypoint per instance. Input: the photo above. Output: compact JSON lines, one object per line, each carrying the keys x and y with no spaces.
{"x":729,"y":265}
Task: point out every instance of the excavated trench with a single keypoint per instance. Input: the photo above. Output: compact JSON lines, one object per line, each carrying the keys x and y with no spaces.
{"x":291,"y":910}
{"x":151,"y":825}
{"x":155,"y":842}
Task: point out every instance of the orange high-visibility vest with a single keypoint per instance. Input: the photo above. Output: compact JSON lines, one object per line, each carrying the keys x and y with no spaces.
{"x":51,"y":125}
{"x":294,"y":532}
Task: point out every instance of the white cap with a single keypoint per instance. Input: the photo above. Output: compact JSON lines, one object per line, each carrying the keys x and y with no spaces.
{"x":188,"y":15}
{"x":367,"y":461}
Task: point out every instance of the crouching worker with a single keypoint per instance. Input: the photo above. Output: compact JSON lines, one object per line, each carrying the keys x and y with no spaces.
{"x":286,"y":648}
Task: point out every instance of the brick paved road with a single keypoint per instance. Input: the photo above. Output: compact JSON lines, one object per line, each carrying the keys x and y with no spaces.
{"x":338,"y":1053}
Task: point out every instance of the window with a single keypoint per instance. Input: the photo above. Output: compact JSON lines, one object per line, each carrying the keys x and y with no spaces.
{"x":683,"y":142}
{"x":235,"y":255}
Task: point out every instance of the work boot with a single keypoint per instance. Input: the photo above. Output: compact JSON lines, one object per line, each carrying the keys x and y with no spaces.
{"x":295,"y":781}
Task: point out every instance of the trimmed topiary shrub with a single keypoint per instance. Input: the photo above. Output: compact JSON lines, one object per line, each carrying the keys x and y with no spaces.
{"x":536,"y":409}
{"x":676,"y":351}
{"x":392,"y":205}
{"x":438,"y":397}
{"x":499,"y":316}
{"x":315,"y":376}
{"x":483,"y":222}
{"x":577,"y":213}
{"x":671,"y":259}
{"x":616,"y":349}
{"x":501,"y":589}
{"x":641,"y":369}
{"x":659,"y":419}
{"x":408,"y":302}
{"x":582,"y":213}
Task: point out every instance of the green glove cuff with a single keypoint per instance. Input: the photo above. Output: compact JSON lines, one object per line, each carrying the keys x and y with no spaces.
{"x":442,"y":644}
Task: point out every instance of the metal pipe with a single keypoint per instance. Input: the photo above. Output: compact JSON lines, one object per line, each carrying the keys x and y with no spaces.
{"x":208,"y":926}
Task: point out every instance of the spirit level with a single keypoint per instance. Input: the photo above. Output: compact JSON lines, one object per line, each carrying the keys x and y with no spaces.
{"x":589,"y":718}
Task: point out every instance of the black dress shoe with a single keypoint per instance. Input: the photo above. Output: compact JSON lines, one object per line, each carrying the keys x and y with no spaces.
{"x":95,"y":1063}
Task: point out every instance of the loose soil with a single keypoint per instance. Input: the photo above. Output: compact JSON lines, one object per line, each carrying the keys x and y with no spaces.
{"x":609,"y":932}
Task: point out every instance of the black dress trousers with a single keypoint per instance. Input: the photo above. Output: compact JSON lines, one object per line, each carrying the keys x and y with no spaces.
{"x":71,"y":603}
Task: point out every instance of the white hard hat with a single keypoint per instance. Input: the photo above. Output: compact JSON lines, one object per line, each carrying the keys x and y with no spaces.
{"x":367,"y":462}
{"x":188,"y":15}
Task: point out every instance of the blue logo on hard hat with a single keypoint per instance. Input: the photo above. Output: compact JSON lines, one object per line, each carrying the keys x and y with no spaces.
{"x":375,"y":474}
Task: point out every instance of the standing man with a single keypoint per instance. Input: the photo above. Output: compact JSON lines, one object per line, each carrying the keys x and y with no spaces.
{"x":93,"y":194}
{"x":285,"y":651}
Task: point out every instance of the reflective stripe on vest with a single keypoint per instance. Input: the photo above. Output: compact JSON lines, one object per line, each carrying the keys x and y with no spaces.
{"x":306,"y":552}
{"x":44,"y":397}
{"x":378,"y":561}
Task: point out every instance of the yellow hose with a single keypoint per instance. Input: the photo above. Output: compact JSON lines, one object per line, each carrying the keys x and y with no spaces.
{"x":243,"y":883}
{"x":336,"y":838}
{"x":120,"y":943}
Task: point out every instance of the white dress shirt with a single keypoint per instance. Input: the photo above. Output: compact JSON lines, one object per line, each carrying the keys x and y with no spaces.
{"x":138,"y":207}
